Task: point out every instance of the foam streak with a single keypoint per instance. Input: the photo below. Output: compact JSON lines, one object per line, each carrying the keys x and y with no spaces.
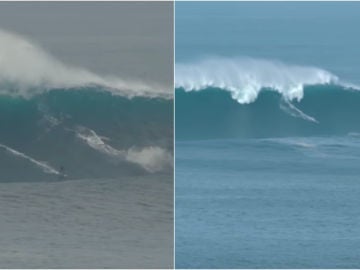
{"x":152,"y":158}
{"x":295,"y":112}
{"x":42,"y":165}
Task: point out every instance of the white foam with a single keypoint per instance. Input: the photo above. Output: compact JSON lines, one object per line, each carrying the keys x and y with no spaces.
{"x":291,"y":109}
{"x":151,"y":158}
{"x":245,"y":77}
{"x":95,"y":142}
{"x":42,"y":165}
{"x":26,"y":69}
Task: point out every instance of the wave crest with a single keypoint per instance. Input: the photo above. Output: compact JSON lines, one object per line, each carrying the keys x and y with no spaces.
{"x":26,"y":69}
{"x":246,"y":77}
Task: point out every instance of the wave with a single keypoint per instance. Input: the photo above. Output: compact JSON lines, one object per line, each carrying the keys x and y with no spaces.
{"x":26,"y":70}
{"x":244,"y":78}
{"x":213,"y":113}
{"x":87,"y":131}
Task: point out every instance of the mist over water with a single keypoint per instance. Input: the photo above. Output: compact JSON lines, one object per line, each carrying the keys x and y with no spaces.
{"x":106,"y":39}
{"x":26,"y":69}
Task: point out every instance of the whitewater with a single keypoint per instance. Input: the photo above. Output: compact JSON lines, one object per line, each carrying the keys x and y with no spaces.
{"x":151,"y":158}
{"x":245,"y":77}
{"x":26,"y":69}
{"x":268,"y":90}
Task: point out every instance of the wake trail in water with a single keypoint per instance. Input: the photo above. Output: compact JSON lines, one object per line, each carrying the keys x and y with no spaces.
{"x":151,"y":158}
{"x":40,"y":164}
{"x":289,"y":108}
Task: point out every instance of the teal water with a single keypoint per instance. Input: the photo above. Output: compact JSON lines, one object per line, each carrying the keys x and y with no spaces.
{"x":88,"y":131}
{"x":267,"y":135}
{"x":212,"y":113}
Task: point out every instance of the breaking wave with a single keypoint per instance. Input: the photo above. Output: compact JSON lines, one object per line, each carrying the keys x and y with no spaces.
{"x":245,"y":78}
{"x":245,"y":97}
{"x":26,"y":70}
{"x":51,"y":115}
{"x":87,"y":131}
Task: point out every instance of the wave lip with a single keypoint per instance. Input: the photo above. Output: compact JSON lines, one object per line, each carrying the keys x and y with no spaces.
{"x":246,"y":77}
{"x":26,"y":70}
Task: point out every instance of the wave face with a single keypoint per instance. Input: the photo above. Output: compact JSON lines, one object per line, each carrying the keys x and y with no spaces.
{"x":59,"y":121}
{"x":222,"y":98}
{"x":89,"y":132}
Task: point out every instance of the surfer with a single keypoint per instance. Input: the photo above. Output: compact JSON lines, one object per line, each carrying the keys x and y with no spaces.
{"x":62,"y":173}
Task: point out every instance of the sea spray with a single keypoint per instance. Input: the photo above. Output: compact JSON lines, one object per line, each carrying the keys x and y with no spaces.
{"x":245,"y":77}
{"x":26,"y":70}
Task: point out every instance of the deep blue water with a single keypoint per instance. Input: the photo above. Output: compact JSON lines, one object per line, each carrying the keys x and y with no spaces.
{"x":267,"y":153}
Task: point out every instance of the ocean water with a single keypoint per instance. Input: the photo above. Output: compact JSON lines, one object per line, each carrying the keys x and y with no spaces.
{"x":86,"y":170}
{"x":125,"y":221}
{"x":267,"y":135}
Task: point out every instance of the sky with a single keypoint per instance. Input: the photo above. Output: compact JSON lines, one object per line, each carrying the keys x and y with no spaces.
{"x":131,"y":40}
{"x":321,"y":34}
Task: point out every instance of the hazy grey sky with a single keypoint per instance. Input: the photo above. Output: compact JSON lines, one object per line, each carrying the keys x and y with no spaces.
{"x":126,"y":39}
